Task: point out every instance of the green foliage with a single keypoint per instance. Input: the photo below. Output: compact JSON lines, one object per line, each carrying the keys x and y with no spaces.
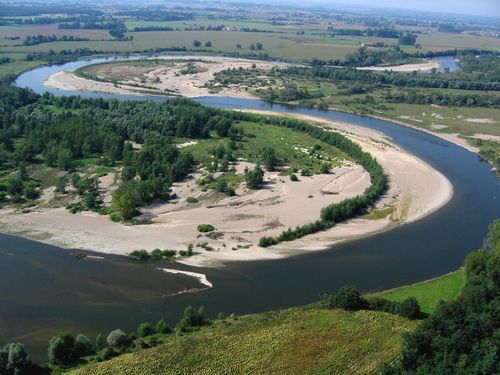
{"x":117,"y":339}
{"x":14,"y":360}
{"x":83,"y":346}
{"x":430,"y":292}
{"x":62,"y":350}
{"x":205,"y":228}
{"x":162,"y":327}
{"x":139,"y":255}
{"x":254,"y":178}
{"x":100,"y":343}
{"x":292,"y":341}
{"x":267,"y":241}
{"x":192,"y":318}
{"x":461,"y":336}
{"x":145,"y":329}
{"x":293,"y":177}
{"x":269,"y":159}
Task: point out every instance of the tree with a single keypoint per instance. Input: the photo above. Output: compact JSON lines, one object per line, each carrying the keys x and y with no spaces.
{"x":252,"y":47}
{"x":269,"y":158}
{"x":208,"y":44}
{"x":62,"y":350}
{"x":254,"y":178}
{"x":145,"y":329}
{"x":14,"y":360}
{"x":238,"y":45}
{"x":409,"y":308}
{"x":348,"y":298}
{"x":192,"y":318}
{"x":117,"y":339}
{"x":161,"y":326}
{"x":83,"y":346}
{"x":125,"y":200}
{"x":196,"y":43}
{"x":259,"y":45}
{"x":100,"y":343}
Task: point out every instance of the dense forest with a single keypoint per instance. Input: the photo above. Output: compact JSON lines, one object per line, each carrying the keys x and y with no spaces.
{"x":461,"y":336}
{"x":31,"y":132}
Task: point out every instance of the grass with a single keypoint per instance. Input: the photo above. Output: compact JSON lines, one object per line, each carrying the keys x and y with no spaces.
{"x":379,"y":213}
{"x":292,"y":148}
{"x":428,"y":293}
{"x":293,"y":341}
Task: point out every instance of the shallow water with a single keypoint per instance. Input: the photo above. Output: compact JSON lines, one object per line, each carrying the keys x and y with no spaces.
{"x":430,"y":247}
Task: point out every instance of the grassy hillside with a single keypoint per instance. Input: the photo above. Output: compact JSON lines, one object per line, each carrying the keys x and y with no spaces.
{"x":294,"y":341}
{"x":428,"y":293}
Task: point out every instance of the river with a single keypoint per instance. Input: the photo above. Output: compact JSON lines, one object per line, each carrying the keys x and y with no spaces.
{"x":48,"y":289}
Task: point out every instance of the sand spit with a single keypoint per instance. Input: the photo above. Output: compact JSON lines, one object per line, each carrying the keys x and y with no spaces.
{"x":201,"y":277}
{"x":405,"y":68}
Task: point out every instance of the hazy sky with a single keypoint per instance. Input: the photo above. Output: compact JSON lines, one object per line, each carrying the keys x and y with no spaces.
{"x":482,"y":7}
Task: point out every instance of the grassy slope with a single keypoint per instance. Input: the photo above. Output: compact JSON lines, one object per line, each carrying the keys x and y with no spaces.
{"x":429,"y":292}
{"x":294,"y":341}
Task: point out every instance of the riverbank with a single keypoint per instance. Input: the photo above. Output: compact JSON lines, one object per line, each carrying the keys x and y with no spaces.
{"x":177,"y":76}
{"x":416,"y":190}
{"x":405,"y":68}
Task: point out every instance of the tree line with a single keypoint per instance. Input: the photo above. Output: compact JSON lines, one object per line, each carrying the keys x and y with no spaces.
{"x":334,"y":213}
{"x":390,"y":78}
{"x":461,"y":336}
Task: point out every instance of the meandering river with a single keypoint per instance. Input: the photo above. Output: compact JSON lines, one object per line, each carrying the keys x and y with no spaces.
{"x":46,"y":289}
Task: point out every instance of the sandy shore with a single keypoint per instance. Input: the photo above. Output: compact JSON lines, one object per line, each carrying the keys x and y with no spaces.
{"x":415,"y":190}
{"x":405,"y":67}
{"x":166,"y":79}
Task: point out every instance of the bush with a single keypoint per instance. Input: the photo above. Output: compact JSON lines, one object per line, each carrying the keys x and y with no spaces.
{"x":267,"y":241}
{"x":162,"y":327}
{"x":139,"y":255}
{"x":191,"y":200}
{"x":293,"y":177}
{"x":409,"y":308}
{"x":99,"y":342}
{"x":324,"y":168}
{"x":83,"y":346}
{"x":117,"y":339}
{"x":156,"y":254}
{"x":192,"y":318}
{"x":205,"y":228}
{"x":347,"y":298}
{"x":145,"y":329}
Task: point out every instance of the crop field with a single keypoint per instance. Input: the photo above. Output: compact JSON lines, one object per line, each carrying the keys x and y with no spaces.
{"x":24,"y":30}
{"x":429,"y":293}
{"x":294,"y":341}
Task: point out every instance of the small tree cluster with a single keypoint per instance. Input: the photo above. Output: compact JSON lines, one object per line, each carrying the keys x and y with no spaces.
{"x":254,"y":178}
{"x":65,"y":349}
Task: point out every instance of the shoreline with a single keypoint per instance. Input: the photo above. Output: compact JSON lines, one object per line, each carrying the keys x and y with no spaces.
{"x":411,"y":198}
{"x":405,"y":68}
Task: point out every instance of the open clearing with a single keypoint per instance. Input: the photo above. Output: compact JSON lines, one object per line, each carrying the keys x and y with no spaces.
{"x":294,"y":341}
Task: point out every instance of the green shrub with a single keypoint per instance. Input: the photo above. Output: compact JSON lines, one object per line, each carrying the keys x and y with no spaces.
{"x":117,"y":339}
{"x":145,"y":329}
{"x":139,"y":255}
{"x":267,"y":241}
{"x":205,"y":228}
{"x":293,"y":177}
{"x":191,"y":200}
